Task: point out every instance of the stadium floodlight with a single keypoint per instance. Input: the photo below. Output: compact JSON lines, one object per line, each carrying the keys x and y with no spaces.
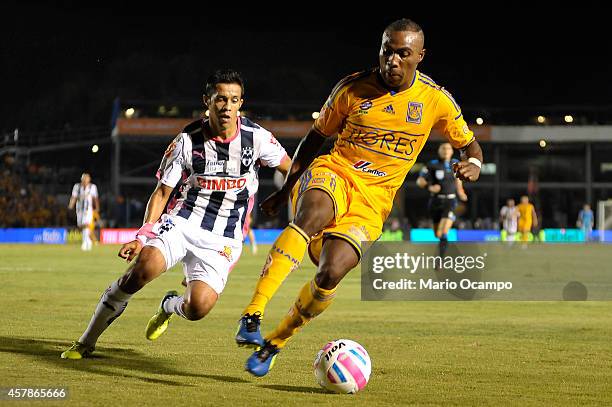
{"x":95,"y":148}
{"x":479,"y":121}
{"x":315,"y":115}
{"x":541,"y":119}
{"x":604,"y":218}
{"x":569,"y":118}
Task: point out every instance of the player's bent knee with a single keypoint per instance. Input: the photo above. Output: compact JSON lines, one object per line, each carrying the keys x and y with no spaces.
{"x":314,"y":212}
{"x":329,"y":276}
{"x":198,"y":309}
{"x":330,"y":273}
{"x":337,"y":259}
{"x":200,"y":298}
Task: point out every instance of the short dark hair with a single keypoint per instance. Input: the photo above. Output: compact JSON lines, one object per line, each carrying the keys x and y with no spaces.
{"x":404,"y":24}
{"x":223,"y":76}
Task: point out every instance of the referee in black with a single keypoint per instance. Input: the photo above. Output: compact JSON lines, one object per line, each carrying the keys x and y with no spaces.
{"x":439,"y":179}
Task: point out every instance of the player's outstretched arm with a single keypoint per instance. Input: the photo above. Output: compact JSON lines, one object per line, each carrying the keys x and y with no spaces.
{"x":155,"y":207}
{"x":306,"y":152}
{"x":468,"y":169}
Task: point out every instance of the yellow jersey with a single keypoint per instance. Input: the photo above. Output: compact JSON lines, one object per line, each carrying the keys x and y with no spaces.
{"x":380,"y":132}
{"x":526,"y":212}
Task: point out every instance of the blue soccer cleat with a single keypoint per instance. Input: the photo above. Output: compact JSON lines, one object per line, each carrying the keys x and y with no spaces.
{"x":248,"y":331}
{"x":262,"y":360}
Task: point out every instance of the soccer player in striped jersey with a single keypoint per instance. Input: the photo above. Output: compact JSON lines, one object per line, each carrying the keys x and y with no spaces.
{"x":85,"y":198}
{"x":383,"y":117}
{"x":509,"y":216}
{"x":212,"y":165}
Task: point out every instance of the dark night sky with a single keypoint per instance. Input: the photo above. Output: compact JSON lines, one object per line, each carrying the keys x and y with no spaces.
{"x":64,"y":65}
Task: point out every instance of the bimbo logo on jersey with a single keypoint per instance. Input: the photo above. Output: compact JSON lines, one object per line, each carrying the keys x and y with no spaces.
{"x":221,"y":184}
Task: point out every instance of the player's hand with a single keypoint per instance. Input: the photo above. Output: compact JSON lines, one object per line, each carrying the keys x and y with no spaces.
{"x":466,"y":171}
{"x":434,"y":189}
{"x":130,"y":250}
{"x":463,"y":197}
{"x":271,"y":205}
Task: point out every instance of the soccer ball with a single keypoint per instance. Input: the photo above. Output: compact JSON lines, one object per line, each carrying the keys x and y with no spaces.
{"x":342,"y":366}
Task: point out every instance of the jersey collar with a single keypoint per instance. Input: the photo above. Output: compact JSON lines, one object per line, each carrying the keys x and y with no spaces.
{"x":229,"y":139}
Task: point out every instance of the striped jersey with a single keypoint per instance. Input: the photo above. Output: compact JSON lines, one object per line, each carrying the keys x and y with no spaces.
{"x":84,"y":196}
{"x":509,"y":216}
{"x":216,"y":180}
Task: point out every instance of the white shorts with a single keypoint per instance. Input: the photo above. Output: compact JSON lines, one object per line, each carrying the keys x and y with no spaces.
{"x":206,"y":257}
{"x":85,"y":218}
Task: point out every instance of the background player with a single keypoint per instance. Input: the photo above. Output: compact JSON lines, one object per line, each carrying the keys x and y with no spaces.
{"x":527,"y":218}
{"x":383,"y":117}
{"x":203,"y":228}
{"x":508,"y":217}
{"x":85,"y":198}
{"x":444,"y":188}
{"x":586,"y":221}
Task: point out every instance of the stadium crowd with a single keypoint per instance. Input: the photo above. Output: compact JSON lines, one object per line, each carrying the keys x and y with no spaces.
{"x":22,"y":202}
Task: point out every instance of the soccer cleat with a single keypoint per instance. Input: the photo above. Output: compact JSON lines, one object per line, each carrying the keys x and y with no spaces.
{"x":77,"y":350}
{"x":159,"y":322}
{"x":248,"y":331}
{"x":262,"y":360}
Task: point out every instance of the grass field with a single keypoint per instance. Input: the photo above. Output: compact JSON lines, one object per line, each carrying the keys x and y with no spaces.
{"x":423,"y":353}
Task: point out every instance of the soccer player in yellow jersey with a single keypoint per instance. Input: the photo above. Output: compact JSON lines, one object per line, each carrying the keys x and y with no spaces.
{"x":527,"y":218}
{"x":383,"y":117}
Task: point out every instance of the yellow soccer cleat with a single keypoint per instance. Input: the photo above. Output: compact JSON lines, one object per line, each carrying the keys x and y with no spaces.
{"x":78,"y":350}
{"x":159,"y":322}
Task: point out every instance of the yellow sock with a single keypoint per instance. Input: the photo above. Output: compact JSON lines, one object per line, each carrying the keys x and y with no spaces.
{"x":285,"y":255}
{"x":312,"y":301}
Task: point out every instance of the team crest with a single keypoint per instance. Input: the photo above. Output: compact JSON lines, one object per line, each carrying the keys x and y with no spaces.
{"x":415,"y":112}
{"x":247,"y":156}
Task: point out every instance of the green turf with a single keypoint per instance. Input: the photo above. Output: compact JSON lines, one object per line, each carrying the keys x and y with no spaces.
{"x":423,"y":353}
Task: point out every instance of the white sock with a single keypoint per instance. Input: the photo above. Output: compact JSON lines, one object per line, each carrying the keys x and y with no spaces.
{"x":111,"y":305}
{"x":85,"y":239}
{"x":174,"y":305}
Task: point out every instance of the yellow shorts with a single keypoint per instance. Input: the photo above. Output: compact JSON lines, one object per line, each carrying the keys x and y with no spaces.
{"x":356,"y":220}
{"x":524,"y":226}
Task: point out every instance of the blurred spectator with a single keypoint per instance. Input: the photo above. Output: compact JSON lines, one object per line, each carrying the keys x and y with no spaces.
{"x":22,"y":204}
{"x":393,"y":232}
